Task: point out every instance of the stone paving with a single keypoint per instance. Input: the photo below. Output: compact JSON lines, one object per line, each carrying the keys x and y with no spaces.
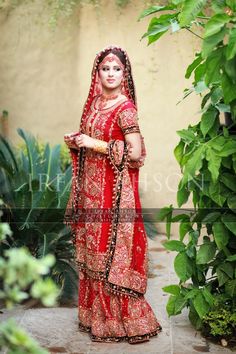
{"x":56,"y":328}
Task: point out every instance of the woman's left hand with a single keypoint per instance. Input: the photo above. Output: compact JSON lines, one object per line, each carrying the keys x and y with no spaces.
{"x":84,"y":140}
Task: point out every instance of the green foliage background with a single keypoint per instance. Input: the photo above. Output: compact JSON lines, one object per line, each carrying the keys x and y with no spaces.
{"x":206,"y":250}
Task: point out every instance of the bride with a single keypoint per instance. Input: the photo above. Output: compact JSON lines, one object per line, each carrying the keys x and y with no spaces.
{"x":103,"y":209}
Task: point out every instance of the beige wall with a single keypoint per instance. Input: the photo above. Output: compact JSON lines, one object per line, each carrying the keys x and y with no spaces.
{"x":45,"y":78}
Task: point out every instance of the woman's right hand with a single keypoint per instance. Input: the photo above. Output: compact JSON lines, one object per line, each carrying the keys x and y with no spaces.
{"x":69,"y":139}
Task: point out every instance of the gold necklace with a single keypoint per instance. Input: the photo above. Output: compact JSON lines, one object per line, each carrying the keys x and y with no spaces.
{"x":105,"y":98}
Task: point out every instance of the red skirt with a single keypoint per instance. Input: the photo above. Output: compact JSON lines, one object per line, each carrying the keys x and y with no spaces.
{"x":108,"y":317}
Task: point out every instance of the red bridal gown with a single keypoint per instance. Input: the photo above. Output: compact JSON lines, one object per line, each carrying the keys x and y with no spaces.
{"x":111,"y":255}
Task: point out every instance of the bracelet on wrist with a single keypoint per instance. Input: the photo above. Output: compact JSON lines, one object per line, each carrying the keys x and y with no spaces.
{"x":100,"y":146}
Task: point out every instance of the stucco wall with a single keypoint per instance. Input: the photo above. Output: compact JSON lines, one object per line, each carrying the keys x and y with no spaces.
{"x":45,"y":78}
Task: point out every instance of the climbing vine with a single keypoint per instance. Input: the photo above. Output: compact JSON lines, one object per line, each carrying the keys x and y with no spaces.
{"x":58,"y":9}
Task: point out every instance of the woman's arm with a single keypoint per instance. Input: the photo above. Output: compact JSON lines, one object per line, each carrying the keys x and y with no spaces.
{"x":127,"y":120}
{"x":134,"y":140}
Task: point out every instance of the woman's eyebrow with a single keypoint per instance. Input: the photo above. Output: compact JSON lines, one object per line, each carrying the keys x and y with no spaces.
{"x":114,"y":66}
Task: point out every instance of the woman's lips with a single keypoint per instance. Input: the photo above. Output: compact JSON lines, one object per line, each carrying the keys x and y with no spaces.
{"x":110,"y":80}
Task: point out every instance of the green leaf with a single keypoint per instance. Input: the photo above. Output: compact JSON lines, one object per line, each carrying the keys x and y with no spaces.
{"x":193,"y":65}
{"x":184,"y":227}
{"x":174,"y":245}
{"x":199,"y":75}
{"x":228,"y":87}
{"x":182,"y":196}
{"x":190,"y":10}
{"x":153,"y":9}
{"x":231,"y":258}
{"x":206,"y":99}
{"x":158,"y":26}
{"x":230,"y":222}
{"x":209,"y":218}
{"x":228,"y":149}
{"x":230,"y":69}
{"x":170,"y":306}
{"x":180,"y":302}
{"x":229,"y":180}
{"x":191,"y":251}
{"x":218,"y":6}
{"x":153,"y":38}
{"x":186,"y":135}
{"x":223,"y":107}
{"x":217,"y":143}
{"x":201,"y":305}
{"x":177,"y":2}
{"x":231,"y":4}
{"x":230,"y":287}
{"x":194,"y":318}
{"x":227,"y":162}
{"x":227,"y":268}
{"x":208,"y":296}
{"x":191,"y":294}
{"x":179,"y":150}
{"x":216,"y":192}
{"x":32,"y":152}
{"x":180,"y":217}
{"x":172,"y":289}
{"x":231,"y":47}
{"x":175,"y":304}
{"x":214,"y":131}
{"x":231,"y":200}
{"x":216,"y":95}
{"x":208,"y":119}
{"x":183,"y":266}
{"x":209,"y":43}
{"x":215,"y":24}
{"x":206,"y":253}
{"x":164,"y":212}
{"x":225,"y":132}
{"x":214,"y":63}
{"x":194,"y":164}
{"x":214,"y":162}
{"x":200,"y":86}
{"x":221,"y":235}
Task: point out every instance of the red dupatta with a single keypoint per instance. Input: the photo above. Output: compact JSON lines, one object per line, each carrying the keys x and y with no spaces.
{"x":120,"y":276}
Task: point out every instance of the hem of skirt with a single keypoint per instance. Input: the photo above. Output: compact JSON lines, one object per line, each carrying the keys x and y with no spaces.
{"x":130,"y":339}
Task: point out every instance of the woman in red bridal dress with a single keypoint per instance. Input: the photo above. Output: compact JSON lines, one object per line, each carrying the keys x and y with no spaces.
{"x":103,"y":210}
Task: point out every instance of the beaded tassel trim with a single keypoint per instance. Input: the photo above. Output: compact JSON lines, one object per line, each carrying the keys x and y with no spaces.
{"x":131,"y":340}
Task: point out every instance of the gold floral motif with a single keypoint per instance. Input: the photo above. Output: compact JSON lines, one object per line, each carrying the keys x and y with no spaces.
{"x":128,"y":121}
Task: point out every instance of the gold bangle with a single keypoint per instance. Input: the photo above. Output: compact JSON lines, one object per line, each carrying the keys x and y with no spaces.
{"x":100,"y":146}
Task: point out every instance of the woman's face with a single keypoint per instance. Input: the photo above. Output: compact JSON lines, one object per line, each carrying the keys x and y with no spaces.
{"x":111,"y":72}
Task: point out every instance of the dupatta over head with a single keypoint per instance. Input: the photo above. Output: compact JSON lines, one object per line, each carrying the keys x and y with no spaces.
{"x":124,"y":265}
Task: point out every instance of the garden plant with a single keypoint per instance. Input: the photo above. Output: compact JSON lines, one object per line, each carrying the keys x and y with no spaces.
{"x":206,"y":249}
{"x":35,"y":190}
{"x":22,"y":277}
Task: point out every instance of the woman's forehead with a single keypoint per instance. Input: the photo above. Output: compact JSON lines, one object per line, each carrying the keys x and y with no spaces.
{"x":110,"y":63}
{"x":111,"y":58}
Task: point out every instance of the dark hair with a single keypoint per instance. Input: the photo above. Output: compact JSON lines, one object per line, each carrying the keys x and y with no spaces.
{"x":115,"y":51}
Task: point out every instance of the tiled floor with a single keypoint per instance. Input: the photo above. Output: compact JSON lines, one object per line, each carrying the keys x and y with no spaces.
{"x":56,"y":328}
